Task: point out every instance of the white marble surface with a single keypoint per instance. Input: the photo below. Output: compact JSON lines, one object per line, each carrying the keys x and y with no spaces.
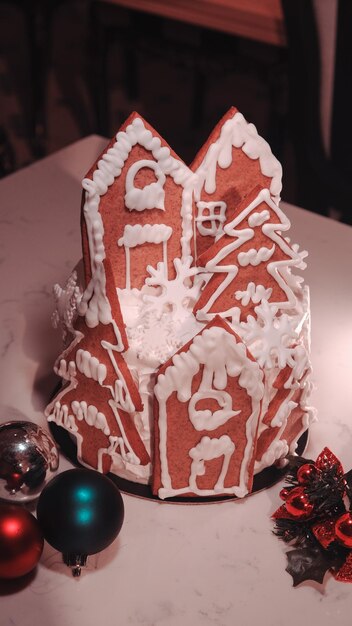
{"x":172,"y":565}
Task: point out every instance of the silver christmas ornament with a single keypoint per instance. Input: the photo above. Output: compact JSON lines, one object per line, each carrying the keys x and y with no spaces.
{"x":28,"y":460}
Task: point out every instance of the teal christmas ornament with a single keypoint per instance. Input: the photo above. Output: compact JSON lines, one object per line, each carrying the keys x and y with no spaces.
{"x":80,"y":512}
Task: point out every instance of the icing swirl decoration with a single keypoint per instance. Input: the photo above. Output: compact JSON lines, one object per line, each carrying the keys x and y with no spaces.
{"x":151,"y":196}
{"x":206,"y":419}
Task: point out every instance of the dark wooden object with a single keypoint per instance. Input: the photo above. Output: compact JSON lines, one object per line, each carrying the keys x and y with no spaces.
{"x":38,"y":16}
{"x":322,"y":181}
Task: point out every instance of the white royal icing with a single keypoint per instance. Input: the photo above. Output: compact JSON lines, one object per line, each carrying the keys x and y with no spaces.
{"x":65,"y":370}
{"x":271,"y":338}
{"x":254,"y":293}
{"x":137,"y":235}
{"x":178,"y":294}
{"x":149,"y":233}
{"x":206,"y":450}
{"x":110,"y":166}
{"x":283,"y":413}
{"x":236,"y":132}
{"x":66,"y":416}
{"x":205,"y":419}
{"x":123,"y":462}
{"x":254,"y":257}
{"x":277,"y":450}
{"x":257,"y":219}
{"x":90,"y":414}
{"x":211,"y":218}
{"x":89,"y":366}
{"x":62,"y":415}
{"x":297,"y":380}
{"x":149,"y":197}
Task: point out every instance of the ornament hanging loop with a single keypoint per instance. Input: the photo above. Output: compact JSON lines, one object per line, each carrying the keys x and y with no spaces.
{"x":76,"y":562}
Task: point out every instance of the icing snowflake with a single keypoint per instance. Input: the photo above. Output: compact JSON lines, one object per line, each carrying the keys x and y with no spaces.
{"x":154,"y":339}
{"x":177,"y":296}
{"x":67,"y":299}
{"x":270,"y":337}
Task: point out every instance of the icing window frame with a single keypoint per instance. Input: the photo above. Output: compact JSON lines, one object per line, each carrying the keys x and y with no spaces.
{"x":216,"y":218}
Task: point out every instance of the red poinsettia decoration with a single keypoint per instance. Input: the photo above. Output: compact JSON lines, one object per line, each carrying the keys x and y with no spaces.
{"x":316,"y":519}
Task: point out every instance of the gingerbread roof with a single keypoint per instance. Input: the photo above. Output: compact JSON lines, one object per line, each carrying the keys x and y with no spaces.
{"x":230,"y":164}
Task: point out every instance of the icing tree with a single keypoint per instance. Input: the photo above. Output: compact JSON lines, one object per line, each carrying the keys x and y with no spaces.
{"x":97,"y":402}
{"x":251,"y":248}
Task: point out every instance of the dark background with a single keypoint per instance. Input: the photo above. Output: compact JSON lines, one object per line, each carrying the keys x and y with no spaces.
{"x":91,"y":65}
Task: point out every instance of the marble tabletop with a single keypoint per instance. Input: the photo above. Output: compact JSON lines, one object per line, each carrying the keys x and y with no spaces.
{"x":172,"y":565}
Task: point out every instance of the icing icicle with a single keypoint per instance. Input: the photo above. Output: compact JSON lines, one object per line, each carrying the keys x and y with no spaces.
{"x":236,"y":132}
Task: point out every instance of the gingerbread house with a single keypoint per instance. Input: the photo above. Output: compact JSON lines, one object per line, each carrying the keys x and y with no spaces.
{"x":188,"y":366}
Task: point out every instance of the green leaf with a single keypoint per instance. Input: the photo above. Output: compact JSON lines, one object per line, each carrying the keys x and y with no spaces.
{"x":307,"y":563}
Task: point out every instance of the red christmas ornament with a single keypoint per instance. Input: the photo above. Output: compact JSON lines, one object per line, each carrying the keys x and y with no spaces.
{"x":14,"y":482}
{"x":298,"y":505}
{"x":284,"y":493}
{"x":21,"y":541}
{"x":343,"y":530}
{"x":306,"y":472}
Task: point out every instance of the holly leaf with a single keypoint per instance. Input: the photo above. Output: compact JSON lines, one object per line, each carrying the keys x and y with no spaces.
{"x":307,"y":563}
{"x":343,"y":570}
{"x":281,"y":513}
{"x":327,"y":460}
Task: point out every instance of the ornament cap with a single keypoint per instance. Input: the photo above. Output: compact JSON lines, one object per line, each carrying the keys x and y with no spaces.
{"x":76,"y":562}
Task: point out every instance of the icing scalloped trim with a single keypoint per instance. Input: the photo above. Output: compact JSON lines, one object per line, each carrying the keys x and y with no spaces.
{"x":238,"y":133}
